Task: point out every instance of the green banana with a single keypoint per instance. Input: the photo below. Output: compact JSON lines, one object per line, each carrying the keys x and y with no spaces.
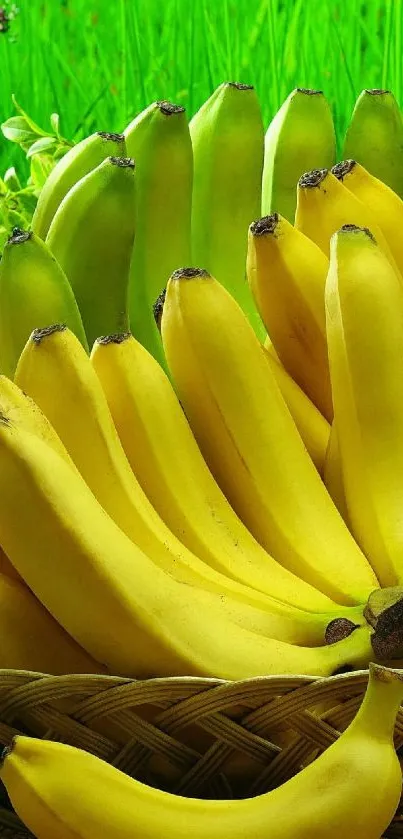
{"x":33,"y":290}
{"x":300,"y":137}
{"x":80,"y":160}
{"x":159,"y":141}
{"x":228,"y":143}
{"x":92,"y":237}
{"x":374,"y":137}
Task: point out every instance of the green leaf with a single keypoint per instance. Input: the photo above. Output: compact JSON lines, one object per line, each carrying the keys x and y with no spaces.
{"x":54,"y":121}
{"x":41,"y":145}
{"x":17,"y":130}
{"x":32,"y":125}
{"x":12,"y":180}
{"x":41,"y":167}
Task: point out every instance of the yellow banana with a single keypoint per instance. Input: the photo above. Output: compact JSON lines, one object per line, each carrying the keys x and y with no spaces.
{"x":352,"y":789}
{"x":113,"y":599}
{"x":287,"y":274}
{"x":79,"y":412}
{"x":364,"y":306}
{"x":324,"y":204}
{"x":333,"y":475}
{"x":250,"y":441}
{"x":312,"y":426}
{"x":167,"y":461}
{"x":386,"y":206}
{"x":31,"y":639}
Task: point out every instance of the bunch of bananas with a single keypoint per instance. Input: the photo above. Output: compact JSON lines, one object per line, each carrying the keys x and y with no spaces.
{"x":182,"y":494}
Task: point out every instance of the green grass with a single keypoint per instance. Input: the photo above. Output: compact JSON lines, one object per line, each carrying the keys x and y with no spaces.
{"x":98,"y":63}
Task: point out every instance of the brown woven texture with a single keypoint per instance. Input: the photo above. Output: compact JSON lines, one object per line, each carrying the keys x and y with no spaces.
{"x":197,"y":737}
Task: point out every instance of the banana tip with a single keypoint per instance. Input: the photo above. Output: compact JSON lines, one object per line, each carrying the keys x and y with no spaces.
{"x":240,"y":85}
{"x":189,"y":273}
{"x":265,"y":225}
{"x":311,"y":179}
{"x":353,"y":228}
{"x":158,"y":307}
{"x":39,"y":334}
{"x":307,"y":91}
{"x":123,"y":162}
{"x":385,"y":674}
{"x":340,"y":170}
{"x":19,"y":236}
{"x":376,"y":91}
{"x":114,"y":338}
{"x":168,"y":108}
{"x":109,"y":135}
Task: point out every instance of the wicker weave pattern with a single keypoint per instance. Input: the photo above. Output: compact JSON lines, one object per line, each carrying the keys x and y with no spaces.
{"x":197,"y":737}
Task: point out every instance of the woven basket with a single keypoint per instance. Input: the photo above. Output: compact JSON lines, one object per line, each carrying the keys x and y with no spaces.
{"x":204,"y":738}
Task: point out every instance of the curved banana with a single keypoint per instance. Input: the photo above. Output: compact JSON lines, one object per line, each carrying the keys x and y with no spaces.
{"x":324,"y":205}
{"x":353,"y":789}
{"x":79,"y":412}
{"x":92,"y":236}
{"x":312,"y":426}
{"x":228,"y":146}
{"x":250,"y":441}
{"x":73,"y":166}
{"x":287,"y":274}
{"x":386,"y":206}
{"x":31,"y":639}
{"x":33,"y":289}
{"x":375,"y":137}
{"x":159,"y":141}
{"x":113,"y":599}
{"x":364,"y":307}
{"x":300,"y":136}
{"x":163,"y":454}
{"x":333,"y":474}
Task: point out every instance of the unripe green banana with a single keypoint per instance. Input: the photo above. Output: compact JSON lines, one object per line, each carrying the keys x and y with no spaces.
{"x":228,"y":142}
{"x":33,"y":290}
{"x":80,"y":160}
{"x":159,"y":141}
{"x":301,"y":137}
{"x":92,"y":237}
{"x":374,"y":137}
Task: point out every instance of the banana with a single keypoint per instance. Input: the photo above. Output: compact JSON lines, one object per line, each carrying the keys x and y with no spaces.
{"x":375,"y":137}
{"x":92,"y":236}
{"x":333,"y":475}
{"x":250,"y":441}
{"x":287,"y":274}
{"x":300,"y":137}
{"x":167,"y":461}
{"x":364,"y":307}
{"x":353,"y":788}
{"x":312,"y":426}
{"x":31,"y":639}
{"x":324,"y":205}
{"x":78,"y":162}
{"x":94,"y":446}
{"x":159,"y":141}
{"x":115,"y":601}
{"x":228,"y":146}
{"x":385,"y":204}
{"x":33,"y":289}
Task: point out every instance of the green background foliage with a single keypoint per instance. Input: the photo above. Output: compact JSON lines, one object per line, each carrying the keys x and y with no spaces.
{"x":98,"y":62}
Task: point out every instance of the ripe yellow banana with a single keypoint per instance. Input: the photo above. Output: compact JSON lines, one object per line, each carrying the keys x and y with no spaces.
{"x":250,"y":441}
{"x":79,"y":412}
{"x":228,"y":146}
{"x":91,"y":236}
{"x":73,"y":166}
{"x":33,"y":289}
{"x":113,"y":599}
{"x":386,"y":206}
{"x":300,"y":136}
{"x":364,"y":306}
{"x":312,"y":425}
{"x":159,"y":141}
{"x":352,"y":789}
{"x":333,"y":475}
{"x":324,"y":205}
{"x":31,"y":639}
{"x":287,"y":274}
{"x":164,"y":456}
